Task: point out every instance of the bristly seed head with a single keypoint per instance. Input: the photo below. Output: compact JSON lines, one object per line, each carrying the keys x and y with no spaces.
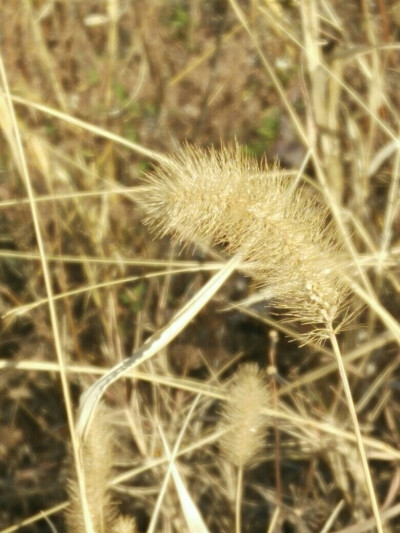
{"x":243,"y":418}
{"x":226,"y":197}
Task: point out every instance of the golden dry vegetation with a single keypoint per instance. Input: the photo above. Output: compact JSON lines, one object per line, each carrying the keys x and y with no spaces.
{"x":95,"y":96}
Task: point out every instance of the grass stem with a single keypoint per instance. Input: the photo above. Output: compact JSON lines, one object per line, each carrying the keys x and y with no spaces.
{"x":353,"y":414}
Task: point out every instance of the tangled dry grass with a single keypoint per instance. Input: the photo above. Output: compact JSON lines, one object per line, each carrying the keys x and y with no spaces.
{"x":93,"y":96}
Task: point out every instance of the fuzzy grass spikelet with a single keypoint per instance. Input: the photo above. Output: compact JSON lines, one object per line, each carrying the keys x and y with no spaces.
{"x":97,"y":454}
{"x":124,"y":524}
{"x":282,"y":232}
{"x":242,"y":415}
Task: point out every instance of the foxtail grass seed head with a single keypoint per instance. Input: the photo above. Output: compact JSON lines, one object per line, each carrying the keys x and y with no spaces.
{"x":124,"y":524}
{"x":226,"y":197}
{"x":242,"y":416}
{"x":97,"y":460}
